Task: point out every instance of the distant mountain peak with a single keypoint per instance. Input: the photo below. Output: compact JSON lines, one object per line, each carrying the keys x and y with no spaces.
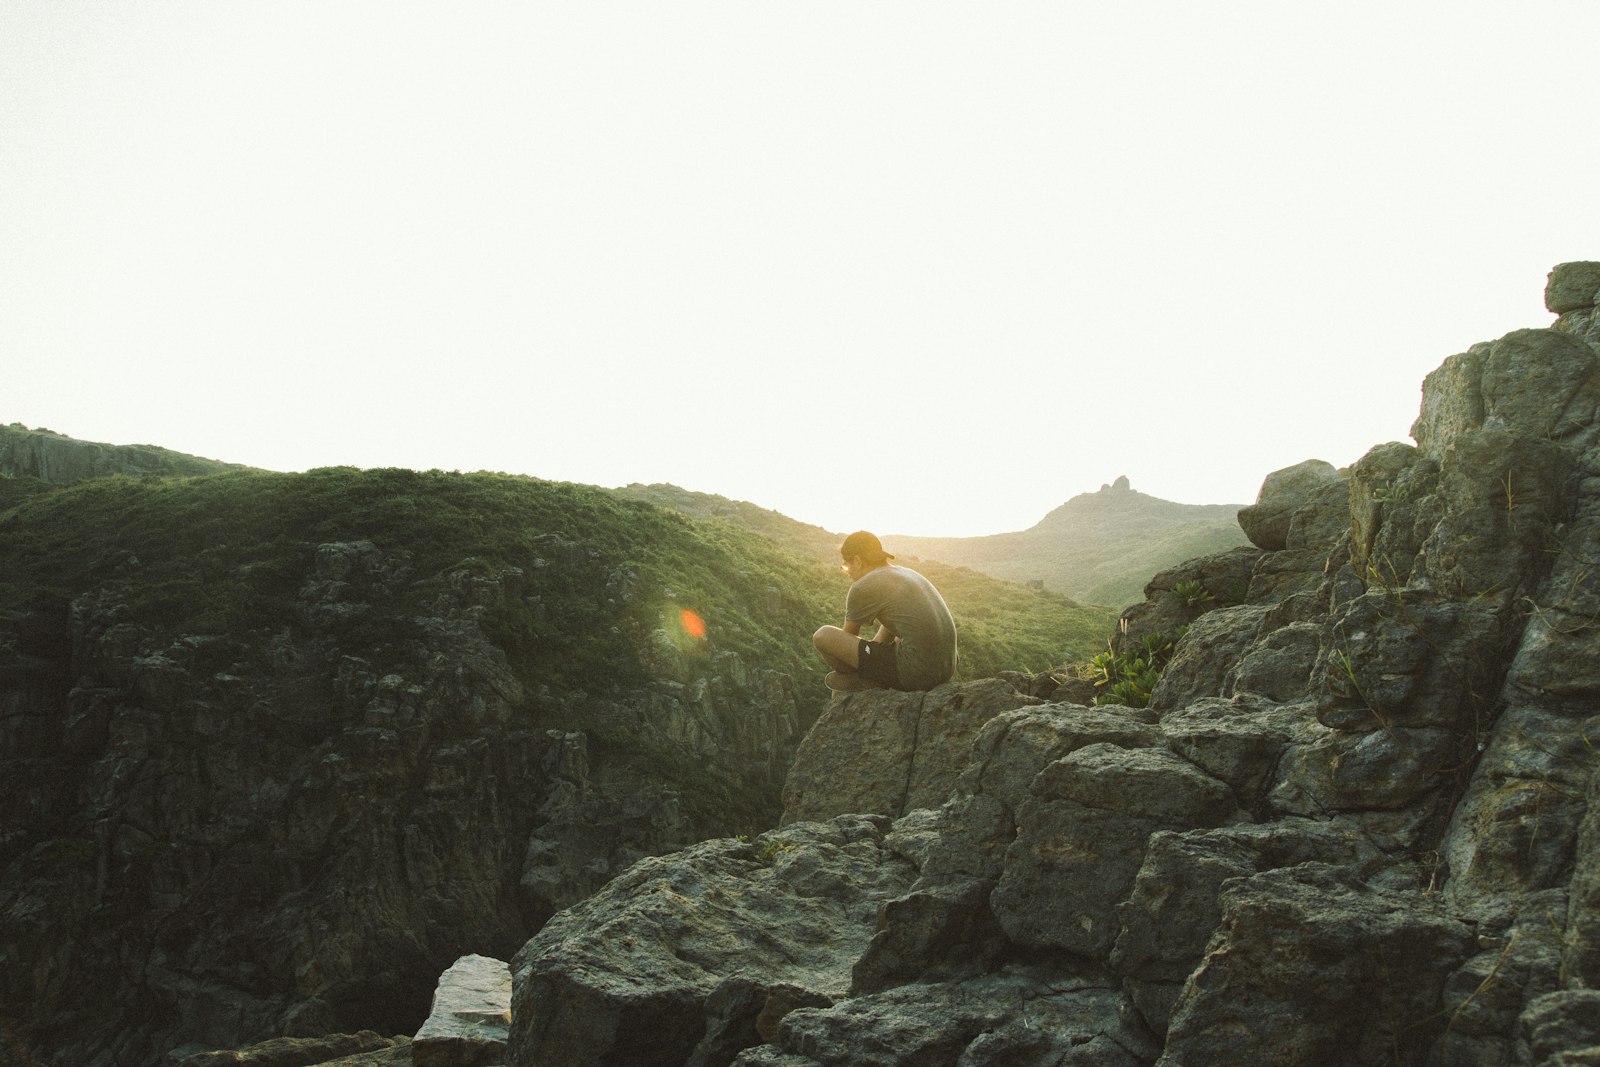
{"x":1121,"y":485}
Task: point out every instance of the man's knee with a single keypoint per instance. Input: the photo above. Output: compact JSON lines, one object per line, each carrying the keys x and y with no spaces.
{"x":836,"y":645}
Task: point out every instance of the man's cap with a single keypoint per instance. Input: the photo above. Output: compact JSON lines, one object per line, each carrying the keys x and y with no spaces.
{"x":863,"y":544}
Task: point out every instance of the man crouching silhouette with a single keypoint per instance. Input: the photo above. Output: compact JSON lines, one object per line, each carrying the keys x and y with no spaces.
{"x":915,"y":646}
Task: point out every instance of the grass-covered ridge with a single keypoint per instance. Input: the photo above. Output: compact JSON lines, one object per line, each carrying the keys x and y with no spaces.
{"x":228,"y":555}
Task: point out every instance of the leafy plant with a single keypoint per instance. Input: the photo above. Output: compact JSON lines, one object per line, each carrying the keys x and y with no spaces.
{"x":1129,"y":678}
{"x":773,"y":847}
{"x":1192,"y":593}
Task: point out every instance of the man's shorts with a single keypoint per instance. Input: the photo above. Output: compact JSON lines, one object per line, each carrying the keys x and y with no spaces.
{"x":876,"y":663}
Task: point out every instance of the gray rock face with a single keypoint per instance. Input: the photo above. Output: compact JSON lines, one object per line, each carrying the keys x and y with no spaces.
{"x":1016,"y":1016}
{"x":1572,"y":287}
{"x":1285,"y":492}
{"x":1357,"y":825}
{"x":1307,"y":967}
{"x":347,"y":1050}
{"x":632,"y":974}
{"x":888,"y":753}
{"x":471,"y":1016}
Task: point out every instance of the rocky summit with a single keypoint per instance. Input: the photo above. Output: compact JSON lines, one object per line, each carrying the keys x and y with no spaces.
{"x":1356,"y":823}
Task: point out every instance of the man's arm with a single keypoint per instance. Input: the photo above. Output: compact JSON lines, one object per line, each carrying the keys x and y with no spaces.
{"x":884,"y":634}
{"x":851,"y":628}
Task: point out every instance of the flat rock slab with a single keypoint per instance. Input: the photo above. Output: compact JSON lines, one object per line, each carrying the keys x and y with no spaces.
{"x":471,"y":1016}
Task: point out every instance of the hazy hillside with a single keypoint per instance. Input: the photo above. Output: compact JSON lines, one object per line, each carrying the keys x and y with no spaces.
{"x":1097,"y":548}
{"x":54,"y":457}
{"x":1004,"y":626}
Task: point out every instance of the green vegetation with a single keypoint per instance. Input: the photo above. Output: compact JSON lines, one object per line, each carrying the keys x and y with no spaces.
{"x":800,"y":537}
{"x":1129,"y":677}
{"x":1003,"y":624}
{"x":229,"y":555}
{"x":773,"y":847}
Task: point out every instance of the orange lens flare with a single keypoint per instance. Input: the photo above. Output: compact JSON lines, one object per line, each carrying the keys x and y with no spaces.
{"x":693,"y":625}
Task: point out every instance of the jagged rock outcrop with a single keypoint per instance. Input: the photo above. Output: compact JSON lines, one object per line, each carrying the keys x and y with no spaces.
{"x":1573,"y":294}
{"x":1355,"y":825}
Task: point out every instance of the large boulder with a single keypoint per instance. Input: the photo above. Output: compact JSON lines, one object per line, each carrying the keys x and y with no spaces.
{"x":1012,"y":1018}
{"x":1082,"y":837}
{"x":628,"y":976}
{"x":1285,"y":492}
{"x":1175,"y":905}
{"x":470,"y":1018}
{"x":887,"y":752}
{"x":1309,"y":966}
{"x":1572,"y":287}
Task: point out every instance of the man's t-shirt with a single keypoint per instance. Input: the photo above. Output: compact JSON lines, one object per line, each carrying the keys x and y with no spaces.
{"x":909,"y":605}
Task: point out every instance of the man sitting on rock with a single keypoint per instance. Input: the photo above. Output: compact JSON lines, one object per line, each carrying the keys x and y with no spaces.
{"x":915,"y":646}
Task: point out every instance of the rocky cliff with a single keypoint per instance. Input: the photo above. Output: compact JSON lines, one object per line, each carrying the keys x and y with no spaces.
{"x":276,"y":749}
{"x":1357,"y":823}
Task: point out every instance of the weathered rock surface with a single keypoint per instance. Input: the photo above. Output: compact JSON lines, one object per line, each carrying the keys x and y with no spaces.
{"x":889,"y":753}
{"x":1018,"y":1015}
{"x":636,"y":974}
{"x":471,"y":1016}
{"x":365,"y":1047}
{"x":1356,"y":826}
{"x":1572,"y":287}
{"x":1285,"y":492}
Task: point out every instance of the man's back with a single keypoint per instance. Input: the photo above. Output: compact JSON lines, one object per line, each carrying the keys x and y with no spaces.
{"x":908,"y":604}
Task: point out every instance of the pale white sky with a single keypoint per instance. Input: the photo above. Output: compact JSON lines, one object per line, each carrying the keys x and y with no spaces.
{"x":923,"y":268}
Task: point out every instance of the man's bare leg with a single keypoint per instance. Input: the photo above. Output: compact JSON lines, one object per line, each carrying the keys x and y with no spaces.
{"x":840,"y":650}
